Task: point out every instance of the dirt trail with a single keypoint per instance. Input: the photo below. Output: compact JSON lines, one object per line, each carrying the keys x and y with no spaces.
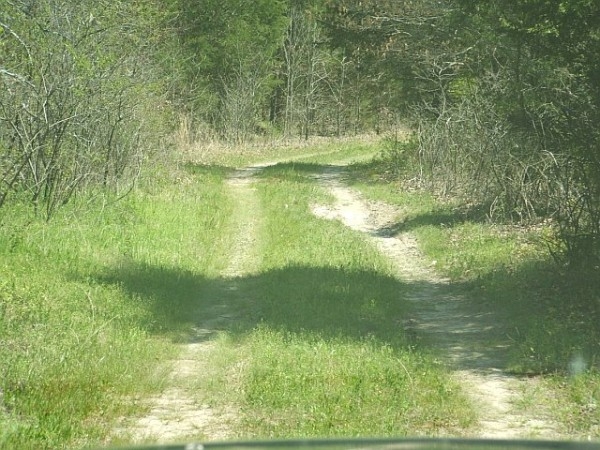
{"x":179,"y":412}
{"x":468,"y":338}
{"x":471,"y":340}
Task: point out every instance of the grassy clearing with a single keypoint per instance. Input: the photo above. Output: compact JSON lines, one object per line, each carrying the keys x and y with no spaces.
{"x":93,"y":303}
{"x":554,"y":311}
{"x":325,"y":352}
{"x":319,"y":349}
{"x":78,"y":341}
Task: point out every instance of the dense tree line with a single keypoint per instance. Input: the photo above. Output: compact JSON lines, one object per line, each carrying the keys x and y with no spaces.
{"x":504,"y":96}
{"x":265,"y":67}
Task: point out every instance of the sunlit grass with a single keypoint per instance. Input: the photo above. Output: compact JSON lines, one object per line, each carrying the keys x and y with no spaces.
{"x":471,"y":250}
{"x":329,"y":356}
{"x":77,"y":343}
{"x":322,"y":150}
{"x":302,"y":385}
{"x":93,"y":303}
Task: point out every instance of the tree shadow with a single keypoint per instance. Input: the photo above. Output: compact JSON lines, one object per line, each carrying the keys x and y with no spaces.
{"x":300,"y":171}
{"x":443,"y":217}
{"x":326,"y":301}
{"x":208,"y":169}
{"x":332,"y":302}
{"x":550,"y":316}
{"x":167,"y":298}
{"x":318,"y":302}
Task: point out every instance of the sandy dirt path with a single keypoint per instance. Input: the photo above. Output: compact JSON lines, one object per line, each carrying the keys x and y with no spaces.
{"x":180,"y":413}
{"x":470,"y":340}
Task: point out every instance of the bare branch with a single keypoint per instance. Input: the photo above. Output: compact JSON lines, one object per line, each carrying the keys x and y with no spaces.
{"x":17,"y":37}
{"x":16,"y":76}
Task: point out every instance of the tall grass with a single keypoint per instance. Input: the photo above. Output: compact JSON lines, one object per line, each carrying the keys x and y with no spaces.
{"x":77,"y":343}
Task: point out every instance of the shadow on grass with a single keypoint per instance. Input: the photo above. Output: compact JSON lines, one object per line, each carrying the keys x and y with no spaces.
{"x":544,"y":320}
{"x":299,"y":171}
{"x":319,"y":303}
{"x":167,"y":297}
{"x":324,"y":301}
{"x":443,"y":217}
{"x":551,"y":316}
{"x":208,"y":169}
{"x":374,"y":171}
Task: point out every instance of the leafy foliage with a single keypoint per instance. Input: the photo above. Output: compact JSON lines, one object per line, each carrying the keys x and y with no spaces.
{"x":504,"y":98}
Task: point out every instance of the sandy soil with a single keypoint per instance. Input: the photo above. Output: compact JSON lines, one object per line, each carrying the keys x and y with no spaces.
{"x":471,"y":340}
{"x":178,"y":414}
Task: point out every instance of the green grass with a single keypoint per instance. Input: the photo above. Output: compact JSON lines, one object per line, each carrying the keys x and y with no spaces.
{"x":77,"y":340}
{"x":329,"y":356}
{"x":317,"y":150}
{"x":302,"y":385}
{"x":93,"y":304}
{"x":577,"y":403}
{"x":553,"y":312}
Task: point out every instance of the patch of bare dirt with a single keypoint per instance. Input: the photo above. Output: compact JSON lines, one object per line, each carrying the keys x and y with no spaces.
{"x":471,"y":340}
{"x":177,"y":414}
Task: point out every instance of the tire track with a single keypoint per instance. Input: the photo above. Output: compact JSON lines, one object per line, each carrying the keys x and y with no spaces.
{"x":180,"y":412}
{"x":471,"y":342}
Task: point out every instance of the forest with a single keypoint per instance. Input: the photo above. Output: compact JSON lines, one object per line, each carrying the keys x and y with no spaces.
{"x":502,"y":98}
{"x":263,"y":219}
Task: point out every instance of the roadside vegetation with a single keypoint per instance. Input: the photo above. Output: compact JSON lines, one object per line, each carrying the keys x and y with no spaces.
{"x":93,"y":304}
{"x":119,"y":122}
{"x":553,"y":307}
{"x":76,"y":348}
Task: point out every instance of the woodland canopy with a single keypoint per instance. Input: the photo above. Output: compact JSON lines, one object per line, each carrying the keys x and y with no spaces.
{"x":503,"y":96}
